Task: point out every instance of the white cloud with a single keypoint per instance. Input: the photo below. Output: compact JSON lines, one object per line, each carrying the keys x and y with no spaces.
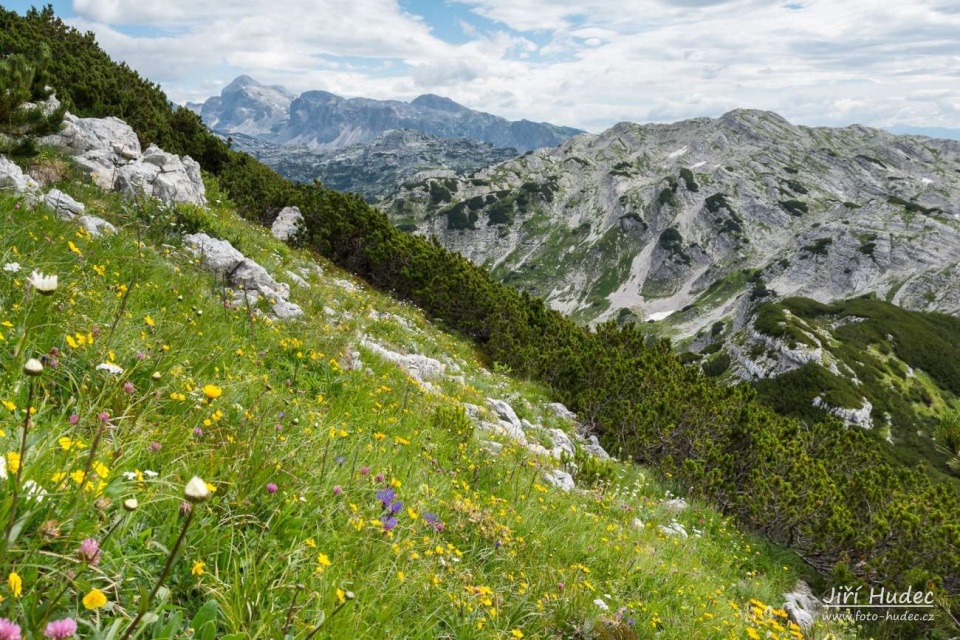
{"x":586,"y":63}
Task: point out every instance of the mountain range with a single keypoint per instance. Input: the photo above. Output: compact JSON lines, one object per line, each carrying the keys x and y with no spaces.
{"x":320,"y":120}
{"x":352,"y":144}
{"x":696,"y":227}
{"x":376,"y":168}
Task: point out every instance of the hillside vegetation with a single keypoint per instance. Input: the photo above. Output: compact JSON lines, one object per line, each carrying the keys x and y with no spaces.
{"x":307,"y":440}
{"x":904,"y":363}
{"x":823,"y":490}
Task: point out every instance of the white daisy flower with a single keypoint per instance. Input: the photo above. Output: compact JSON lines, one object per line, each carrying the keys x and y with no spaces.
{"x":43,"y":284}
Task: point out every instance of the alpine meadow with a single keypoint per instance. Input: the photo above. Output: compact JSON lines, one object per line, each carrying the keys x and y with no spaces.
{"x":235,"y":404}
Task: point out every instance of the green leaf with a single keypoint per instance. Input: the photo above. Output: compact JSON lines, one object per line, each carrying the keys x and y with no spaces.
{"x":204,"y":623}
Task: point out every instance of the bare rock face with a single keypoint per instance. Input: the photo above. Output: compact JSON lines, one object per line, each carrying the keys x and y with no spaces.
{"x":560,"y":479}
{"x":63,"y":205}
{"x":13,"y":179}
{"x":222,"y":259}
{"x":419,"y":367}
{"x":218,"y":256}
{"x":104,"y":136}
{"x":803,"y":607}
{"x":108,"y":150}
{"x":288,"y":223}
{"x":96,"y":226}
{"x":504,"y":411}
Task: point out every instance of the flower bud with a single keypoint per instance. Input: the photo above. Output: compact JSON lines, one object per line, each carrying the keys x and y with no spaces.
{"x":33,"y":367}
{"x":196,"y":490}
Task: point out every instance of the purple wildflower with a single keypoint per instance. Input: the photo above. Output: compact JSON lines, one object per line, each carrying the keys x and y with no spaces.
{"x":128,"y":387}
{"x":197,"y":431}
{"x":394,"y":507}
{"x":389,"y":522}
{"x":337,"y":490}
{"x":61,"y":629}
{"x":90,"y":552}
{"x":9,"y":630}
{"x":340,"y":459}
{"x":364,"y":471}
{"x":271,"y":487}
{"x":386,"y":496}
{"x":74,"y":419}
{"x":430,"y":518}
{"x":155,"y":446}
{"x":104,"y":416}
{"x":379,"y":477}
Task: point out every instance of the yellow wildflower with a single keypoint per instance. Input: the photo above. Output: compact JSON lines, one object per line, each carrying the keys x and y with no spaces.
{"x":198,"y":568}
{"x":16,"y":584}
{"x":13,"y":461}
{"x":323,"y":561}
{"x":94,"y":600}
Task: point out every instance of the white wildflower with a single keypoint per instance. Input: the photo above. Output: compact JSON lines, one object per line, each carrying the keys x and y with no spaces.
{"x":110,"y":368}
{"x":12,"y":267}
{"x":43,"y":284}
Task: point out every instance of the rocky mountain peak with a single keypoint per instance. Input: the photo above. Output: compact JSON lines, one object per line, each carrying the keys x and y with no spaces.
{"x":438,"y":103}
{"x":240,"y":82}
{"x":249,"y":107}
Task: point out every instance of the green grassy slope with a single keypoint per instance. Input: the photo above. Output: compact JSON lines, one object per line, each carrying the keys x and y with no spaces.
{"x":506,"y":557}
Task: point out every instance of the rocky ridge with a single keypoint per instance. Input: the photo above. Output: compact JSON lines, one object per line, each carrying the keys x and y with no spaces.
{"x":685,"y":223}
{"x":108,"y":151}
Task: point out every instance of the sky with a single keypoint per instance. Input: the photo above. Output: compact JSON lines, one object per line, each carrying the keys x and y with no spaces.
{"x":582,"y":63}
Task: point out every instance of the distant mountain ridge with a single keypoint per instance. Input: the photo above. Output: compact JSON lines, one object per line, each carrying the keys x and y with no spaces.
{"x":320,"y":120}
